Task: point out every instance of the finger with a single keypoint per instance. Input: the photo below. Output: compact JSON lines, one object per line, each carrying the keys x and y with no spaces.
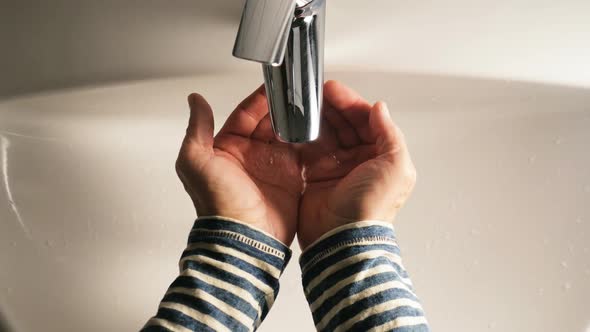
{"x":201,"y":123}
{"x":353,"y":108}
{"x":244,"y":120}
{"x":386,"y":134}
{"x":328,"y":138}
{"x":264,"y":131}
{"x":345,"y":132}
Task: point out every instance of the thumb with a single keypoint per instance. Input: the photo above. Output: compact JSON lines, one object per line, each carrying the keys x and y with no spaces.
{"x":200,"y":124}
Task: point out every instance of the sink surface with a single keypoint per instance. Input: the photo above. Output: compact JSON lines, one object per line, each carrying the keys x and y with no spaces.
{"x":93,"y":219}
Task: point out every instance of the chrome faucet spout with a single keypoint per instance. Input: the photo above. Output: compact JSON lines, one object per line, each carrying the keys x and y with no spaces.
{"x":292,"y":57}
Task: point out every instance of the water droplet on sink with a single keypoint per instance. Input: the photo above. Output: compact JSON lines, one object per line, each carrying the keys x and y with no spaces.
{"x":532,"y":159}
{"x":453,"y":206}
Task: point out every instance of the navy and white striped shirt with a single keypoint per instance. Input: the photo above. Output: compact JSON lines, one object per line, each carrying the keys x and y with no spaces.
{"x":353,"y":279}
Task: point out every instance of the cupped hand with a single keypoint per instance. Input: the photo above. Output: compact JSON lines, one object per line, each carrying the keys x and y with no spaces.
{"x":360,"y":168}
{"x":244,"y":172}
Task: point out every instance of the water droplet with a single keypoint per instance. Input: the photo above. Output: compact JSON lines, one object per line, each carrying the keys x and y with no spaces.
{"x":272,"y":160}
{"x":564,"y":264}
{"x":532,"y":159}
{"x":558,"y":141}
{"x":453,"y":206}
{"x":304,"y":179}
{"x":336,"y":159}
{"x":567,"y":286}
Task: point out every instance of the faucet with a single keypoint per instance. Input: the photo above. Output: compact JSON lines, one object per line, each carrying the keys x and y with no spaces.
{"x":287,"y":37}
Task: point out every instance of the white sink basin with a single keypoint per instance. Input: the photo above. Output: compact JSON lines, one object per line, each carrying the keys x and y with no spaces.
{"x":497,"y":235}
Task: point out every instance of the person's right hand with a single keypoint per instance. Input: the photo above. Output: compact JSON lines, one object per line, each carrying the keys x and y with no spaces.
{"x":244,"y":172}
{"x":360,"y":168}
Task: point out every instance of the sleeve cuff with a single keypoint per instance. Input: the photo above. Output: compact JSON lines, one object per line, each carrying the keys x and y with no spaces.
{"x":253,"y":241}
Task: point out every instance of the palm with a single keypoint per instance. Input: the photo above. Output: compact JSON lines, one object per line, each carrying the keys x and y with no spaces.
{"x":246,"y":174}
{"x":354,"y":171}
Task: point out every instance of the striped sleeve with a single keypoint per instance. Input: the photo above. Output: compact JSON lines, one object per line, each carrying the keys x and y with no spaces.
{"x":229,"y":279}
{"x":354,"y":280}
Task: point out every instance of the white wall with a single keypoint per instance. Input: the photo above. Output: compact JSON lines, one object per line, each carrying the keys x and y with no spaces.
{"x":48,"y":45}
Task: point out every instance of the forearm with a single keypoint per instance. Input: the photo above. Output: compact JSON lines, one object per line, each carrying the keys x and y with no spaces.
{"x":229,"y":279}
{"x":354,"y":280}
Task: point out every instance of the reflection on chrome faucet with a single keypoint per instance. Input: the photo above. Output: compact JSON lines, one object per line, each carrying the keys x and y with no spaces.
{"x":287,"y":37}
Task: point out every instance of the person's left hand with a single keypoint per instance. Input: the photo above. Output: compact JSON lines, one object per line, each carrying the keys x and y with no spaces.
{"x":244,"y":172}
